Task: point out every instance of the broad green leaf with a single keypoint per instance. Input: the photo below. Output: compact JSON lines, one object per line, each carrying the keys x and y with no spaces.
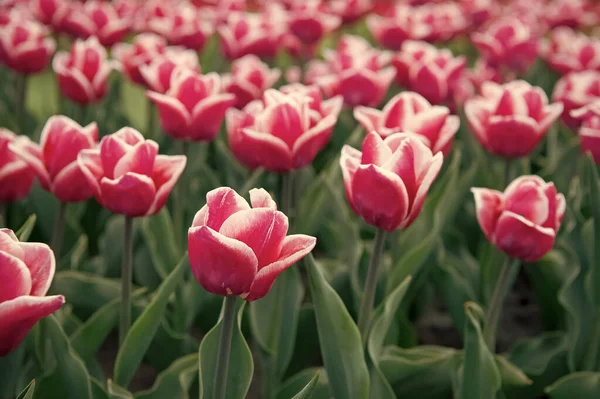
{"x":309,"y":389}
{"x":134,"y":105}
{"x":117,"y":392}
{"x":11,"y":367}
{"x":140,"y":335}
{"x":593,"y":183}
{"x":581,"y":385}
{"x":25,"y":231}
{"x":28,"y":391}
{"x":341,"y":344}
{"x":298,"y":382}
{"x":98,"y":390}
{"x":42,"y":107}
{"x":160,"y":236}
{"x":481,"y":378}
{"x":174,"y":382}
{"x":274,"y":320}
{"x":511,"y":375}
{"x":241,"y":365}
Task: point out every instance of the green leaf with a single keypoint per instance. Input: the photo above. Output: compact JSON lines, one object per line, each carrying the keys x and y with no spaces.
{"x":341,"y":344}
{"x":118,"y":392}
{"x":134,"y":105}
{"x":481,"y":378}
{"x":412,"y":261}
{"x":28,"y":391}
{"x":42,"y":107}
{"x":581,"y":385}
{"x":140,"y":335}
{"x":25,"y":231}
{"x":593,"y":182}
{"x":241,"y":365}
{"x":160,"y":236}
{"x":11,"y":367}
{"x":511,"y":375}
{"x":274,"y":320}
{"x":174,"y":382}
{"x":309,"y":389}
{"x":298,"y":382}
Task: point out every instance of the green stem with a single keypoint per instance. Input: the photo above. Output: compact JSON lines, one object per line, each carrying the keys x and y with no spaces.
{"x":151,"y":115}
{"x":180,"y":193}
{"x":287,"y":184}
{"x":492,"y":316}
{"x":368,"y":299}
{"x":21,"y":90}
{"x":59,"y":230}
{"x":222,"y":366}
{"x":591,"y":354}
{"x":126,"y":277}
{"x":3,"y":214}
{"x":251,"y":182}
{"x":507,"y":170}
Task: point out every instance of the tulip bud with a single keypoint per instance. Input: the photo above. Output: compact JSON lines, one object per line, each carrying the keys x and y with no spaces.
{"x":387,"y":183}
{"x":145,"y":48}
{"x":26,"y":272}
{"x":126,"y":174}
{"x":576,"y":90}
{"x":589,"y":132}
{"x":522,"y":221}
{"x":249,"y":79}
{"x":16,"y":176}
{"x":24,"y":46}
{"x":235,"y":249}
{"x":157,"y":74}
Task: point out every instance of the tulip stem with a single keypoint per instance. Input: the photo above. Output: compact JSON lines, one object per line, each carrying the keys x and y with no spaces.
{"x":287,"y":186}
{"x":368,"y":299}
{"x":21,"y":89}
{"x":59,"y":230}
{"x":180,"y":193}
{"x":151,"y":115}
{"x":126,"y":277}
{"x":509,"y":271}
{"x":3,"y":215}
{"x":507,"y":170}
{"x":222,"y":366}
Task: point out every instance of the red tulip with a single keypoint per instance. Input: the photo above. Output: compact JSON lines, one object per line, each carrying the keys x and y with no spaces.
{"x":126,"y":174}
{"x":50,"y":12}
{"x":508,"y":43}
{"x":55,"y":159}
{"x":429,"y":71}
{"x":309,"y":23}
{"x":522,"y":221}
{"x":97,"y":18}
{"x":576,"y":90}
{"x":409,"y":112}
{"x":26,"y":272}
{"x":570,"y":51}
{"x":145,"y":48}
{"x":158,"y":73}
{"x":238,"y":250}
{"x":24,"y":46}
{"x":183,"y":27}
{"x":350,"y":10}
{"x":387,"y":183}
{"x":282,"y":132}
{"x":510,"y":120}
{"x":589,"y":132}
{"x":249,"y":79}
{"x":193,"y":107}
{"x":16,"y":176}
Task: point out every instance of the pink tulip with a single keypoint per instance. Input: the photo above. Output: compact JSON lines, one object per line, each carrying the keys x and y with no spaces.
{"x":26,"y":272}
{"x":282,"y":132}
{"x":83,"y":72}
{"x":193,"y":107}
{"x":350,"y":10}
{"x":479,"y":11}
{"x":24,"y":46}
{"x":16,"y":176}
{"x":319,"y":108}
{"x":158,"y":73}
{"x":126,"y":174}
{"x":239,"y":250}
{"x":183,"y":27}
{"x":522,"y":221}
{"x":387,"y":183}
{"x":309,"y":23}
{"x":444,"y":20}
{"x":510,"y":120}
{"x":97,"y":18}
{"x":589,"y":132}
{"x":249,"y":79}
{"x":507,"y":43}
{"x":570,"y":13}
{"x":392,"y":30}
{"x":54,"y":160}
{"x":51,"y":12}
{"x":409,"y":112}
{"x":145,"y":48}
{"x":570,"y":51}
{"x":576,"y":90}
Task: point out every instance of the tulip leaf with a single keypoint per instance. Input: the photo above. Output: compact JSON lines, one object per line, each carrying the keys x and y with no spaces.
{"x":274,"y":320}
{"x":241,"y":365}
{"x":309,"y":389}
{"x":25,"y":231}
{"x":412,"y":261}
{"x":593,"y":184}
{"x":175,"y":381}
{"x":28,"y":391}
{"x":581,"y":385}
{"x":341,"y":344}
{"x":160,"y":238}
{"x":140,"y":335}
{"x":42,"y":107}
{"x":134,"y":105}
{"x":98,"y":390}
{"x":117,"y":392}
{"x":298,"y":382}
{"x":11,"y":367}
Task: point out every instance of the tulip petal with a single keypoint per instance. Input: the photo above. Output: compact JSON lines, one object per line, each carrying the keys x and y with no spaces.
{"x":131,"y":194}
{"x":369,"y":118}
{"x":446,"y":136}
{"x":175,"y":119}
{"x":208,"y":115}
{"x":138,"y":160}
{"x":374,"y":150}
{"x":16,"y":180}
{"x":41,"y":262}
{"x":489,"y":205}
{"x":256,"y":149}
{"x":512,"y":136}
{"x":71,"y":184}
{"x":90,"y":163}
{"x":312,"y":141}
{"x":222,"y":202}
{"x":426,"y":181}
{"x":349,"y":162}
{"x":522,"y":239}
{"x":167,"y":170}
{"x":529,"y":201}
{"x":15,"y":277}
{"x":260,"y":198}
{"x":31,"y":154}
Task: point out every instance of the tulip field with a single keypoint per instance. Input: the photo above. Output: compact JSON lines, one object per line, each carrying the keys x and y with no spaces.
{"x":294,"y":199}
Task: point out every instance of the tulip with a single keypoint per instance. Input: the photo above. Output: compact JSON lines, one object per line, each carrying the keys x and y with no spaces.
{"x":589,"y":132}
{"x":97,"y":18}
{"x":83,"y":72}
{"x":479,"y":11}
{"x":410,"y":112}
{"x":26,"y":272}
{"x":569,"y":13}
{"x":157,"y":74}
{"x":576,"y":90}
{"x":280,"y":133}
{"x":145,"y":48}
{"x":24,"y":46}
{"x":510,"y":120}
{"x":249,"y":79}
{"x":392,"y":30}
{"x":193,"y":107}
{"x":350,"y":10}
{"x":569,"y":51}
{"x":50,"y":12}
{"x":183,"y":27}
{"x":444,"y":20}
{"x":16,"y":176}
{"x":309,"y":23}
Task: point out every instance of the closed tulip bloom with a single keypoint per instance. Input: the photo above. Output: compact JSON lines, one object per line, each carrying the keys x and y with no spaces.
{"x":280,"y":133}
{"x":410,"y":112}
{"x":392,"y":30}
{"x":183,"y":27}
{"x":50,"y":12}
{"x":144,"y":49}
{"x":510,"y":120}
{"x":387,"y":183}
{"x":26,"y":272}
{"x":569,"y":51}
{"x":83,"y":72}
{"x":24,"y":46}
{"x":194,"y":106}
{"x":158,"y":73}
{"x":249,"y":78}
{"x":126,"y":174}
{"x":54,"y":160}
{"x":16,"y":176}
{"x":235,"y":249}
{"x":319,"y":107}
{"x":589,"y":132}
{"x":574,"y":91}
{"x":524,"y":220}
{"x":97,"y":18}
{"x":310,"y":23}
